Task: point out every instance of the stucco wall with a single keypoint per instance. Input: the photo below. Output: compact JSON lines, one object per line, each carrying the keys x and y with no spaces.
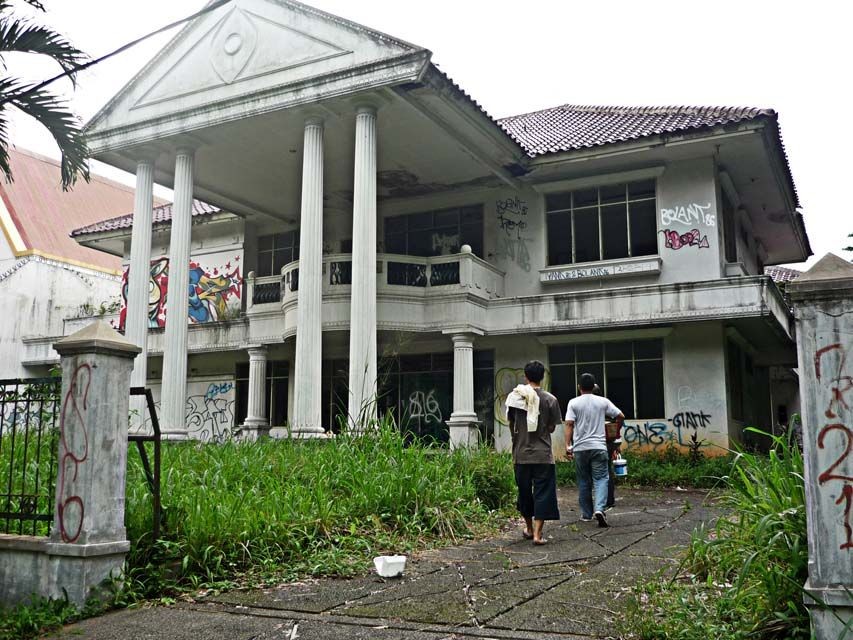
{"x":37,"y":298}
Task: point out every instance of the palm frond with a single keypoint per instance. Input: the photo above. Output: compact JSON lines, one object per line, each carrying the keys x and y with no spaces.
{"x":53,"y":113}
{"x":22,"y":36}
{"x":5,"y":167}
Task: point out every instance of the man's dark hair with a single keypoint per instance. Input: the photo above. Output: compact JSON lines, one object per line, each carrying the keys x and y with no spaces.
{"x":587,"y":382}
{"x":534,"y":371}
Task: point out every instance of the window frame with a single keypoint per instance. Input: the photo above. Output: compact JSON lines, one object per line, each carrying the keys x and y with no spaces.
{"x":597,"y":207}
{"x":268,"y":256}
{"x":634,"y":359}
{"x":460,"y":224}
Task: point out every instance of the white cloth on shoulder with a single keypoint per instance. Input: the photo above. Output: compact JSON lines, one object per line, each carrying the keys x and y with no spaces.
{"x":524,"y":397}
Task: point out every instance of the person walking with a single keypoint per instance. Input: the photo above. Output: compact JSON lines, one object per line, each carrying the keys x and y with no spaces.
{"x":613,"y":447}
{"x":532,"y":415}
{"x":586,"y":444}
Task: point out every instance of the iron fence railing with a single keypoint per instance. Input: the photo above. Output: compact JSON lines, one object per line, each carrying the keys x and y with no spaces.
{"x":29,"y":411}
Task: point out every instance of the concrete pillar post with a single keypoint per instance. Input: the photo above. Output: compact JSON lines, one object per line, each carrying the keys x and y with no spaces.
{"x":257,"y":423}
{"x":463,"y":421}
{"x":823,"y":307}
{"x":362,"y":344}
{"x":138,"y":277}
{"x":174,"y":394}
{"x":307,"y":410}
{"x":88,"y":540}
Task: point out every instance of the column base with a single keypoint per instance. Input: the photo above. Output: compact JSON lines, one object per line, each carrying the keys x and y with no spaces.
{"x":252,"y":431}
{"x":299,"y":434}
{"x":175,"y":436}
{"x":830,"y":610}
{"x":464,"y":431}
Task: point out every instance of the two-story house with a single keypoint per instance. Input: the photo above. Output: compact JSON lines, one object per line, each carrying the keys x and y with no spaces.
{"x":375,"y":237}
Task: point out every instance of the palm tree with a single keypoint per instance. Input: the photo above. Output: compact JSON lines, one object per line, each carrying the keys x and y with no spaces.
{"x":21,"y":35}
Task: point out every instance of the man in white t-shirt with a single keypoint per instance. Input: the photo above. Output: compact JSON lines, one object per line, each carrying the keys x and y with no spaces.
{"x":586,"y":443}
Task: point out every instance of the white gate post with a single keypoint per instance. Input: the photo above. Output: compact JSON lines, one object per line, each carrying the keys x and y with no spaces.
{"x":823,"y":301}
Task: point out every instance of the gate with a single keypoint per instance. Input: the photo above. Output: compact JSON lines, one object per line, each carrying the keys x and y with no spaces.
{"x":29,"y":412}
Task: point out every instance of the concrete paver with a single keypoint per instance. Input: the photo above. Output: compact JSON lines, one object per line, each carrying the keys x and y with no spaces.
{"x":577,"y":585}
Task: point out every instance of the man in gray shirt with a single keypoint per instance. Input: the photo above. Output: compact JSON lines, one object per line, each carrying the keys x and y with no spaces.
{"x":586,"y":443}
{"x":533,"y":459}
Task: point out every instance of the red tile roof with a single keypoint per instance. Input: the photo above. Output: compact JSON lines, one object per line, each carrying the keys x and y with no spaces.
{"x":570,"y":127}
{"x":43,"y":215}
{"x":782,"y":274}
{"x":161,"y":215}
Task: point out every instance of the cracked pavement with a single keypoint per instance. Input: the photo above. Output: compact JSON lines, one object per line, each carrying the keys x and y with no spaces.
{"x":576,"y":586}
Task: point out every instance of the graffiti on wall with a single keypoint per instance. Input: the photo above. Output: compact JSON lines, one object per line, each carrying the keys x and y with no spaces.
{"x":690,"y":214}
{"x":424,"y":406}
{"x":683,"y":429}
{"x":693,"y":238}
{"x":830,"y":365}
{"x":506,"y":380}
{"x":73,"y":417}
{"x":211,"y":291}
{"x":210,"y":410}
{"x":512,"y":220}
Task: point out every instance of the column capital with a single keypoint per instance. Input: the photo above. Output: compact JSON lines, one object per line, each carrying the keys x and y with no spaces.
{"x":366,"y":108}
{"x":144,"y":155}
{"x":257,"y":351}
{"x":315,"y":120}
{"x":460,"y":334}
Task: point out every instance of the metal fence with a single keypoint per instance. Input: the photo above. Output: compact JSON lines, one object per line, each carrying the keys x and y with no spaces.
{"x":29,"y":411}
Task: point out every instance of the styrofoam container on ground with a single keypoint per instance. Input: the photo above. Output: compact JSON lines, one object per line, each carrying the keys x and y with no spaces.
{"x":390,"y":566}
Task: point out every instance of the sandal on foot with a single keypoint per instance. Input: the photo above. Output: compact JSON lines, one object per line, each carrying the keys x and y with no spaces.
{"x":540,"y":543}
{"x":526,"y":536}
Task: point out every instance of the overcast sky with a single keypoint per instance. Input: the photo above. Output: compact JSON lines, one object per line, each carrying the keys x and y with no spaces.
{"x":515,"y":57}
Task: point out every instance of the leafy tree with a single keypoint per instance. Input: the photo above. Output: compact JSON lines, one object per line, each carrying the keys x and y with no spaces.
{"x":18,"y":34}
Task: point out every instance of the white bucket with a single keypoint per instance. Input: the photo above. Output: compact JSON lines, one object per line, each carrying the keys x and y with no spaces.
{"x":620,"y":467}
{"x":390,"y":566}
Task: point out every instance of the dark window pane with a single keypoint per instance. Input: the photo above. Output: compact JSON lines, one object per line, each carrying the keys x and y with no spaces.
{"x":617,"y":351}
{"x":473,"y":235}
{"x":558,"y":202}
{"x":586,"y":236}
{"x":445,"y":241}
{"x":242,"y":399}
{"x":346,"y":245}
{"x":447,"y":218}
{"x":420,"y":244}
{"x":280,"y":258}
{"x":649,"y":390}
{"x":563,"y":384}
{"x":586,"y":198}
{"x":484,"y":359}
{"x":420,"y":221}
{"x":241,"y":371}
{"x":644,"y":229}
{"x":613,"y":193}
{"x":395,"y":224}
{"x":472,"y":214}
{"x":559,"y":238}
{"x":442,"y":362}
{"x":562,"y":354}
{"x":729,"y":230}
{"x":278,"y":415}
{"x":265,"y":243}
{"x":590,"y":353}
{"x":284,"y":240}
{"x":264,"y":264}
{"x":620,"y":386}
{"x":648,"y":348}
{"x":420,"y":362}
{"x":394,"y":243}
{"x":614,"y":226}
{"x":644,"y":189}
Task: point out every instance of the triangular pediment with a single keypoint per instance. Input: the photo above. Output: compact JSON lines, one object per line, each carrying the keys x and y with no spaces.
{"x":285,"y":51}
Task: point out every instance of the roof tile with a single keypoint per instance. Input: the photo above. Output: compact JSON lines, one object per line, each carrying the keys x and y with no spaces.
{"x":160,"y":215}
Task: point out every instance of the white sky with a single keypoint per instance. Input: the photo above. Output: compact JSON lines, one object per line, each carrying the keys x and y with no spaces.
{"x":514,"y":57}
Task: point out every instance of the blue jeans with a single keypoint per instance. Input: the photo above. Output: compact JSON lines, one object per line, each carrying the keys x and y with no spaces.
{"x":593,"y":476}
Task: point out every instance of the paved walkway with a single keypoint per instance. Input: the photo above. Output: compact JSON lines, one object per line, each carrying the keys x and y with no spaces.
{"x":575,"y":587}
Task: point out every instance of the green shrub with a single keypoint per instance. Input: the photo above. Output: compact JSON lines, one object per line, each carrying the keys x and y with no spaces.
{"x":743,"y":578}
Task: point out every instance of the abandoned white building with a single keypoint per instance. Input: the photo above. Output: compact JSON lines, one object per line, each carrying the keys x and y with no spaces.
{"x":372,"y":228}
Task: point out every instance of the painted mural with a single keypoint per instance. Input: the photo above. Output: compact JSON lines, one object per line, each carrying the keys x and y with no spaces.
{"x":215,"y":287}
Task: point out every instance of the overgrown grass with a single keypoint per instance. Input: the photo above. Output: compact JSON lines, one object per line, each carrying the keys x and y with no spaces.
{"x":667,"y":467}
{"x":742,"y":578}
{"x":285,"y":508}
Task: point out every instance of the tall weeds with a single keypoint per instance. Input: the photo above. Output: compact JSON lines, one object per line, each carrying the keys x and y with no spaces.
{"x":285,"y":508}
{"x":742,"y":578}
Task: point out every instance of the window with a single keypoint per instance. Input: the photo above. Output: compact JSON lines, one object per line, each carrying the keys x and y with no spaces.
{"x":276,"y":397}
{"x":435,"y":233}
{"x":629,"y":373}
{"x":275,"y":251}
{"x":604,"y":223}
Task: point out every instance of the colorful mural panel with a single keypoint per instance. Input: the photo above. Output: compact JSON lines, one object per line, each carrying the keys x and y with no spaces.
{"x":212,"y":290}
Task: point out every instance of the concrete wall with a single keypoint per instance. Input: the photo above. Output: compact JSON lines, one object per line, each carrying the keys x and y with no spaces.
{"x":37,"y":298}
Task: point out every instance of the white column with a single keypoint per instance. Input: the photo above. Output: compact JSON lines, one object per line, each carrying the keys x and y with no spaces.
{"x":174,"y":393}
{"x":257,"y":423}
{"x":307,"y":410}
{"x":362,"y":344}
{"x":463,"y":421}
{"x":139,"y":274}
